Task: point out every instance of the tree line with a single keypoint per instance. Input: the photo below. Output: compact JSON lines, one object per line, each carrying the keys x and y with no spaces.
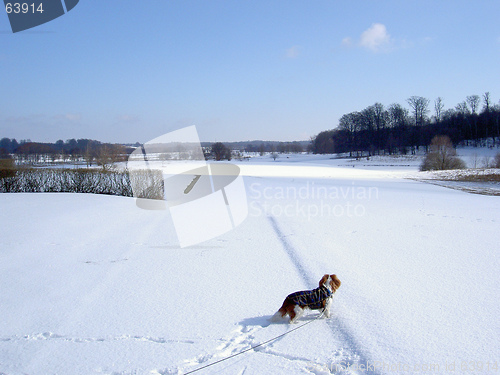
{"x":94,"y":152}
{"x":260,"y":147}
{"x":398,"y":130}
{"x":81,"y":150}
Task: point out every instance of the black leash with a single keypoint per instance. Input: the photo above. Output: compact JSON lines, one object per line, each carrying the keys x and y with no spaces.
{"x":256,"y":346}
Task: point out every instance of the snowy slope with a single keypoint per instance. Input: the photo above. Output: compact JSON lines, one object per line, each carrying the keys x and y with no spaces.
{"x":94,"y":285}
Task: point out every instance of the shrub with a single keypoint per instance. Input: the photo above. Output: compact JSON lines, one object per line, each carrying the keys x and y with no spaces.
{"x":7,"y":167}
{"x":496,"y":162}
{"x":147,"y":184}
{"x":29,"y":180}
{"x":442,"y":156}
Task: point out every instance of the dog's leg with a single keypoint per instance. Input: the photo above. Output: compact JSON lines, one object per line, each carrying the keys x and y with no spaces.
{"x":296,"y":313}
{"x":326,"y":311}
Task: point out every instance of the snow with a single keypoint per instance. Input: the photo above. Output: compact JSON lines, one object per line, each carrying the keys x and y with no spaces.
{"x":94,"y":285}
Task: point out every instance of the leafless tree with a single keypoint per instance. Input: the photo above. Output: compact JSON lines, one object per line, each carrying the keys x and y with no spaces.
{"x":108,"y":155}
{"x":438,"y":108}
{"x":220,"y":151}
{"x":380,"y":118}
{"x":496,"y":162}
{"x":462,"y":108}
{"x":487,"y":102}
{"x":398,"y":116}
{"x":89,"y":155}
{"x":473,"y":102}
{"x":420,"y":108}
{"x":262,"y":149}
{"x":351,"y":124}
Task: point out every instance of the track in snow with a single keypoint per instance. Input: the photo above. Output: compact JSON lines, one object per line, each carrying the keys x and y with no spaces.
{"x":337,"y":327}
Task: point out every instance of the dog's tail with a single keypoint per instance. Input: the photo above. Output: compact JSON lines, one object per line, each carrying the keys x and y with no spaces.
{"x":278,"y":316}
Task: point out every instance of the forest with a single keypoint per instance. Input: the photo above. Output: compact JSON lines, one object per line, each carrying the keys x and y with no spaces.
{"x":398,"y":130}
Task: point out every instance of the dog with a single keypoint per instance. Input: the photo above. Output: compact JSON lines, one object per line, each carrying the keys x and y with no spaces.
{"x":320,"y":298}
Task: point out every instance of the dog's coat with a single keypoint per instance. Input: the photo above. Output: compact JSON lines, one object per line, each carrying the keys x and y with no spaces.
{"x":312,"y":299}
{"x":316,"y":299}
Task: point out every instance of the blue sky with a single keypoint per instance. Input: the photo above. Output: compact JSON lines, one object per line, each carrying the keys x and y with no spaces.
{"x":127,"y":71}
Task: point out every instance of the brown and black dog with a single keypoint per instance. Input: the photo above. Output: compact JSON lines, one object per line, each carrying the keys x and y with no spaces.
{"x":316,"y":299}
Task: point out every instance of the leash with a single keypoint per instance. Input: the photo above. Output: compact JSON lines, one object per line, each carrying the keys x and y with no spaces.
{"x":256,"y":346}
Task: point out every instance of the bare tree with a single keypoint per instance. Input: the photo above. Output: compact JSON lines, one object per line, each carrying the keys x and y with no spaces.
{"x":473,"y":102}
{"x":262,"y":149}
{"x":487,"y":102}
{"x":438,"y":108}
{"x":380,"y":117}
{"x":398,"y":116}
{"x":89,"y":155}
{"x":496,"y":162}
{"x":350,"y":123}
{"x":220,"y":151}
{"x":398,"y":119}
{"x":420,"y":108}
{"x":108,"y":155}
{"x":462,"y":108}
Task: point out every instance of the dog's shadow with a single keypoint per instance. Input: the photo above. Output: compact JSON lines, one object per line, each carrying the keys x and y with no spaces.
{"x":260,"y":321}
{"x":266,"y":320}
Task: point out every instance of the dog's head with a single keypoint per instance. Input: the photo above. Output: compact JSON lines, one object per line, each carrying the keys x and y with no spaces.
{"x":332,"y":281}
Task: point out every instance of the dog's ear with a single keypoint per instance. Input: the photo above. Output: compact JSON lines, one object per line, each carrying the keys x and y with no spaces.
{"x":323,"y":279}
{"x":335,"y":281}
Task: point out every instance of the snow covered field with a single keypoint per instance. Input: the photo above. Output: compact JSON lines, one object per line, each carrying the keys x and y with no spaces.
{"x":94,"y":285}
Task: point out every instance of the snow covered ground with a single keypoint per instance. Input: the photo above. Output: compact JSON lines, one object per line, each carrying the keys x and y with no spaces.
{"x":94,"y":285}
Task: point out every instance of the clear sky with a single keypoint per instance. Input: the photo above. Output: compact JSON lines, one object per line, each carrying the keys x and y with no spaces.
{"x":127,"y":71}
